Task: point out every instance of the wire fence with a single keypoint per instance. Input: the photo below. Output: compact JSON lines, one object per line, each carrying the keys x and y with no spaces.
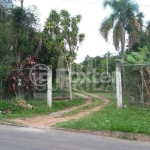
{"x":136,"y":86}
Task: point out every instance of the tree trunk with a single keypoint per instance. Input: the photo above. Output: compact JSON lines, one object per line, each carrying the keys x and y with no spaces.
{"x":122,"y":40}
{"x":145,"y":84}
{"x":18,"y":62}
{"x":130,"y":43}
{"x":147,"y":89}
{"x":122,"y":52}
{"x":38,"y":48}
{"x":70,"y":79}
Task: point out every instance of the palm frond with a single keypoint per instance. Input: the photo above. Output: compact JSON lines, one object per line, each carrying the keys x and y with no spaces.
{"x":116,"y":35}
{"x":106,"y":26}
{"x":113,"y":4}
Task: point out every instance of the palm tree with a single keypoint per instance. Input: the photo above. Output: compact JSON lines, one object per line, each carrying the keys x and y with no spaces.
{"x":121,"y":20}
{"x":134,"y":29}
{"x":148,"y":27}
{"x":140,"y":17}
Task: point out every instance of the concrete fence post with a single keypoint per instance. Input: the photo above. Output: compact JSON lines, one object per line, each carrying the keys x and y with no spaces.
{"x":118,"y":84}
{"x":49,"y":86}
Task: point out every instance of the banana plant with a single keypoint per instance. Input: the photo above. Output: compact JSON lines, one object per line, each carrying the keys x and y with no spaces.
{"x":141,"y":58}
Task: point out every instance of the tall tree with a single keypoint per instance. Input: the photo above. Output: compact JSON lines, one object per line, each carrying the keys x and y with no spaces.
{"x":26,"y":39}
{"x":140,"y":17}
{"x":121,"y":20}
{"x":148,"y":27}
{"x":64,"y":29}
{"x":18,"y":19}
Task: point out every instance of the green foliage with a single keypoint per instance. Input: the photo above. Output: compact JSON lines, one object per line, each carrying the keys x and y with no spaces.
{"x":138,"y":57}
{"x":6,"y":64}
{"x":65,"y":33}
{"x":49,"y":54}
{"x":40,"y":107}
{"x":17,"y":98}
{"x":4,"y":105}
{"x":25,"y":39}
{"x":99,"y":62}
{"x":11,"y":106}
{"x":121,"y":20}
{"x":4,"y":71}
{"x":18,"y":18}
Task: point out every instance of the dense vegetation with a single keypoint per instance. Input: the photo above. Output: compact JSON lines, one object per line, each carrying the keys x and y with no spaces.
{"x":23,"y":45}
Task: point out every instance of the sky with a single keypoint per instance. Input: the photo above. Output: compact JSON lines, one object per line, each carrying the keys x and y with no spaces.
{"x":93,"y":14}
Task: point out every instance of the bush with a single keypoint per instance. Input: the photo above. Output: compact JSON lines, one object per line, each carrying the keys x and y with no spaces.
{"x":4,"y":105}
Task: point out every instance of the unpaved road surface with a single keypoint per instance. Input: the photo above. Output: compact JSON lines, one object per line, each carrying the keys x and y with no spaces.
{"x":46,"y":121}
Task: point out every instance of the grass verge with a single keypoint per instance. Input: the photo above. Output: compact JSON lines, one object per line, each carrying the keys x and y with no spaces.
{"x":41,"y":108}
{"x":95,"y":102}
{"x":113,"y":119}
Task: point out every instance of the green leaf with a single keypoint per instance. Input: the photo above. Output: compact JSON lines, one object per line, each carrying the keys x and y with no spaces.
{"x":131,"y":59}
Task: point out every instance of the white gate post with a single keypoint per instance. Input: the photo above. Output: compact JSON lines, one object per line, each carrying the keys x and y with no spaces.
{"x":118,"y":84}
{"x":49,"y":86}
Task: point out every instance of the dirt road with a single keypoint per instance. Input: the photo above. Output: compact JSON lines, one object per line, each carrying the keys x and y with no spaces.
{"x":46,"y":121}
